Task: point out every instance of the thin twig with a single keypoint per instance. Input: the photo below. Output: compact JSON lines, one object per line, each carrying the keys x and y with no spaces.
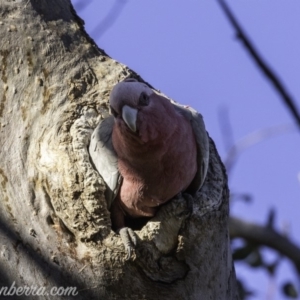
{"x":289,"y":102}
{"x":109,"y":19}
{"x":225,"y":127}
{"x":253,"y":139}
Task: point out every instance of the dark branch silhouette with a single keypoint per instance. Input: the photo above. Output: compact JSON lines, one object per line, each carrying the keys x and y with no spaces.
{"x":265,"y":236}
{"x":288,"y":101}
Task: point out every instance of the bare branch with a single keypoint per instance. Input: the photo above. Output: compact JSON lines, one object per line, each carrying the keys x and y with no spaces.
{"x":265,"y":236}
{"x":109,"y":19}
{"x":278,"y":85}
{"x":252,"y":139}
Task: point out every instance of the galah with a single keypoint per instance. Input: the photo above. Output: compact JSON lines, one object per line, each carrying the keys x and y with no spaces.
{"x":147,"y":152}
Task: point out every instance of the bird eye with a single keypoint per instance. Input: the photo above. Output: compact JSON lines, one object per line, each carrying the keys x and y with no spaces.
{"x":113,"y":112}
{"x":144,"y":99}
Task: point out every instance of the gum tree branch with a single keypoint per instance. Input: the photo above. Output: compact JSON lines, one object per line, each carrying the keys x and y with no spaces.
{"x":55,"y":225}
{"x":272,"y":77}
{"x":265,"y":236}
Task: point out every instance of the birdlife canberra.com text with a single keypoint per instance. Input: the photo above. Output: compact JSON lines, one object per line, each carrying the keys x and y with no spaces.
{"x":33,"y":290}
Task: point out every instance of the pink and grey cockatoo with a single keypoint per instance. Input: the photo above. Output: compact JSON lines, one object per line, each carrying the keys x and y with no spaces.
{"x":147,"y":152}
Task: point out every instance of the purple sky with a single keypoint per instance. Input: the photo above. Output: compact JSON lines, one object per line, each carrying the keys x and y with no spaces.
{"x":188,"y":50}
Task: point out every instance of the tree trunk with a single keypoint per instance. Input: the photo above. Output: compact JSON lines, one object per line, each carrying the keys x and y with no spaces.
{"x":55,"y":229}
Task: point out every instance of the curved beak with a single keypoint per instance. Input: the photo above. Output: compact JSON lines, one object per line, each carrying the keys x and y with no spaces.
{"x":129,"y":116}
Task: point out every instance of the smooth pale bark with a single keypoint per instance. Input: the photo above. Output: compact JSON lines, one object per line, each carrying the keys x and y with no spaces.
{"x":55,"y":228}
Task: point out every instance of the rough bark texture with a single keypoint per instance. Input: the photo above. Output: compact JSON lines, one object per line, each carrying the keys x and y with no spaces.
{"x":55,"y":228}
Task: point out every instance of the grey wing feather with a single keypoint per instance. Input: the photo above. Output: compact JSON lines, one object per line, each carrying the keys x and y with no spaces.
{"x":105,"y":158}
{"x":202,"y":141}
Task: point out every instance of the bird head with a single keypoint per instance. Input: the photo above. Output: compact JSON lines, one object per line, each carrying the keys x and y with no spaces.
{"x":140,"y":112}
